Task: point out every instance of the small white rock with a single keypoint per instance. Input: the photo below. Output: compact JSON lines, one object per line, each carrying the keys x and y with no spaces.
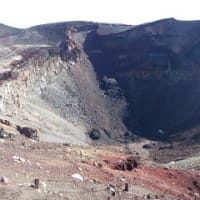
{"x":29,"y":162}
{"x":80,"y":169}
{"x":60,"y":194}
{"x":18,"y":159}
{"x":43,"y":186}
{"x":77,"y":176}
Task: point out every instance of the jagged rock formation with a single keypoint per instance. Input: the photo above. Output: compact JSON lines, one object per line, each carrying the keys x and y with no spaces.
{"x":47,"y":83}
{"x":67,"y":79}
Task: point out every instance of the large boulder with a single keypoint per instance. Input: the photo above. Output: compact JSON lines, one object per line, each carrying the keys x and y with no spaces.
{"x":4,"y":134}
{"x":28,"y":132}
{"x":95,"y":134}
{"x":128,"y":163}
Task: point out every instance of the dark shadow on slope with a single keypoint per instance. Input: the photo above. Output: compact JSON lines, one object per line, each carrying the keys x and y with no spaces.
{"x":158,"y":106}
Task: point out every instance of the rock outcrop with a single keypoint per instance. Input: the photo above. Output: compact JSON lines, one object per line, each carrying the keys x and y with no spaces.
{"x":49,"y":84}
{"x":156,"y":65}
{"x":66,"y":79}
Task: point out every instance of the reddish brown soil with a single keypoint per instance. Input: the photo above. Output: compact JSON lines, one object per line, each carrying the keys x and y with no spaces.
{"x":56,"y":163}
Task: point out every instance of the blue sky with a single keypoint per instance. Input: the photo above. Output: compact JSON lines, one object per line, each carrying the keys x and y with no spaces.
{"x":25,"y":13}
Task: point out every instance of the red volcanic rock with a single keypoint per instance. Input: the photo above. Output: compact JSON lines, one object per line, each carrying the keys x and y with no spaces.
{"x":124,"y":164}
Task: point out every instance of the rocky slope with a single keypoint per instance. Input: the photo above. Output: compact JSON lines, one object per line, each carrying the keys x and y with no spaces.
{"x":131,"y":88}
{"x":119,"y":79}
{"x":48,"y":83}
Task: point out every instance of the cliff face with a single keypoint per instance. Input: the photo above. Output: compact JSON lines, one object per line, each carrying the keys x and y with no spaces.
{"x":100,"y":84}
{"x":48,"y":83}
{"x":157,"y":67}
{"x":68,"y":79}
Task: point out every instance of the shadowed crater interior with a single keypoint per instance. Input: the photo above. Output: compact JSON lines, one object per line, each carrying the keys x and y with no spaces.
{"x":156,"y":67}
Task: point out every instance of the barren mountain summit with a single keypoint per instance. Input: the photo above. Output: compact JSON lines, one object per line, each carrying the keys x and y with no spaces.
{"x":132,"y":89}
{"x":118,"y":78}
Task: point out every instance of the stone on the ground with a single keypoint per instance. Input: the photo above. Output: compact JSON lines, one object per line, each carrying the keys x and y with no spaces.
{"x":18,"y":159}
{"x":43,"y":186}
{"x":36,"y":183}
{"x":126,"y":187}
{"x":4,"y":180}
{"x":3,"y":133}
{"x":28,"y":132}
{"x":77,"y":176}
{"x":95,"y":134}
